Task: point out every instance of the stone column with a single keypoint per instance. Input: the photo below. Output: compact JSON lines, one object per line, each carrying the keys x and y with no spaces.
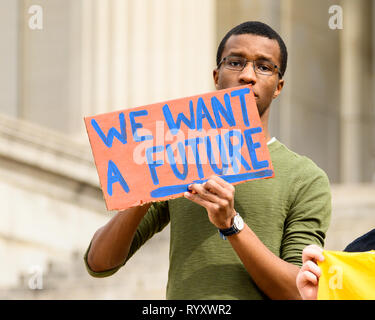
{"x":357,"y":117}
{"x":119,"y":49}
{"x":104,"y":55}
{"x":95,"y":56}
{"x":373,"y":93}
{"x":310,"y":101}
{"x":8,"y":61}
{"x":101,"y":51}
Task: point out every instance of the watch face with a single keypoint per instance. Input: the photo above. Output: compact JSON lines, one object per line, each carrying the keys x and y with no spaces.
{"x":238,"y":222}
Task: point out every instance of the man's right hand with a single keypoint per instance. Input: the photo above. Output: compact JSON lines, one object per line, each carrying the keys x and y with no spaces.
{"x":308,"y":277}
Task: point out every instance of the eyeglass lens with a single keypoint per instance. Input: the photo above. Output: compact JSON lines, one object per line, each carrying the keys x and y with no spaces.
{"x":261,"y":66}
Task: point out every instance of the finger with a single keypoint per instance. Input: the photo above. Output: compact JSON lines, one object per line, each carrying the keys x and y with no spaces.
{"x":212,"y":186}
{"x":312,"y":267}
{"x":309,"y":277}
{"x":221,"y":181}
{"x":227,"y":189}
{"x":204,"y":193}
{"x":312,"y":252}
{"x":198,"y":200}
{"x":189,"y":188}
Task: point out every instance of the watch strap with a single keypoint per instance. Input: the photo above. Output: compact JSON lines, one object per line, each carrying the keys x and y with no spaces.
{"x":229,"y":231}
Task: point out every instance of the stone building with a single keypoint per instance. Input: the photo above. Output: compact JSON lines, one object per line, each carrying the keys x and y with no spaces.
{"x":62,"y":60}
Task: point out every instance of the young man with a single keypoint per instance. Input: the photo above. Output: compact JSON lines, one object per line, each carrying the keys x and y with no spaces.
{"x":268,"y":222}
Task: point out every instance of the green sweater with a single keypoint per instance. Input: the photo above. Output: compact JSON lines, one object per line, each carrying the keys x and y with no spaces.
{"x":287,"y":213}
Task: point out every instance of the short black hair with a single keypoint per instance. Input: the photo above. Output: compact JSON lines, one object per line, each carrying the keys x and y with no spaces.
{"x":260,"y":29}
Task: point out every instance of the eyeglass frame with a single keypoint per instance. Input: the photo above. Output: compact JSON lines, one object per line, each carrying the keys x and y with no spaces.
{"x":247,"y":61}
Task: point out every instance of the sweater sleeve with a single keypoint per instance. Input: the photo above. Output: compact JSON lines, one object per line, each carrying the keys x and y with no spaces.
{"x":309,"y":214}
{"x":154,"y":221}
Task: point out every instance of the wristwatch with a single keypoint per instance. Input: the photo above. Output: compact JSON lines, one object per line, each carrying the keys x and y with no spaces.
{"x":237,"y":226}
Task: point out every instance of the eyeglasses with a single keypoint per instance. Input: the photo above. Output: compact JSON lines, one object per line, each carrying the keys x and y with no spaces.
{"x":260,"y":66}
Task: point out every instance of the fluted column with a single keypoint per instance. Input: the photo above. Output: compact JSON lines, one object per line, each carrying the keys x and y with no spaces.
{"x":140,"y":52}
{"x":8,"y":62}
{"x":119,"y":51}
{"x":357,"y":116}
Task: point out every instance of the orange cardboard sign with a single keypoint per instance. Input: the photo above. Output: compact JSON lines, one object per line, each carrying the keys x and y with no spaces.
{"x":154,"y":152}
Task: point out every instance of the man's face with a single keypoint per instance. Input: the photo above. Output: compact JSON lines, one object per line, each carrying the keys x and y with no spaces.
{"x":251,"y":47}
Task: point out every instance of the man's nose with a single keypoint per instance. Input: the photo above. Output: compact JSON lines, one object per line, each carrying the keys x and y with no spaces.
{"x":247,"y":75}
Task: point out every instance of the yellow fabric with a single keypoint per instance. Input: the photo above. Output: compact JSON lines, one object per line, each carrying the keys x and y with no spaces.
{"x":347,"y":276}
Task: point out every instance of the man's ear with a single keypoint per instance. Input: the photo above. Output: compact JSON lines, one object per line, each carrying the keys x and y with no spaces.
{"x":215,"y":74}
{"x":278,"y":89}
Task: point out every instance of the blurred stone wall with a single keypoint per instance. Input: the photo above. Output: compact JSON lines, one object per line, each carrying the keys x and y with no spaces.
{"x":353,"y":214}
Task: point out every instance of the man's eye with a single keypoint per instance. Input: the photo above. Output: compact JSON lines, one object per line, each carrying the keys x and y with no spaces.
{"x":264,"y":67}
{"x":235,"y":63}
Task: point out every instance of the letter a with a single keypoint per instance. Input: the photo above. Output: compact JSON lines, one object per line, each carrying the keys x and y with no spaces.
{"x":335,"y":282}
{"x":335,"y":21}
{"x":114,"y":175}
{"x":36,"y":20}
